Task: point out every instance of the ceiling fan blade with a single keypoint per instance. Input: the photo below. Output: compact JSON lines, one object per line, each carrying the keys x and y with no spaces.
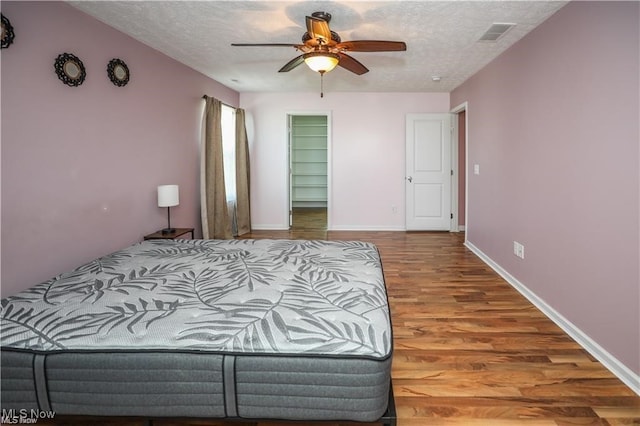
{"x":292,"y":64}
{"x":318,"y":28}
{"x":351,"y":64}
{"x":372,"y":46}
{"x":269,"y":44}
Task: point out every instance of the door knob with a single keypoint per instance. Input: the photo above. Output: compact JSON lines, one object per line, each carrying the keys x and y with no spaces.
{"x":410,"y":179}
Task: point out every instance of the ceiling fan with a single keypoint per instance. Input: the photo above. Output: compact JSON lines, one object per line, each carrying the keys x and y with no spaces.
{"x":322,"y":49}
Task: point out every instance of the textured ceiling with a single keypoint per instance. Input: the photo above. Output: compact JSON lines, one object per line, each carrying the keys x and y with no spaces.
{"x":441,"y":37}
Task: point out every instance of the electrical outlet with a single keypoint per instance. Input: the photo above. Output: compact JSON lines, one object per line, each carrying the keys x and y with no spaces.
{"x":394,"y":209}
{"x":518,"y":249}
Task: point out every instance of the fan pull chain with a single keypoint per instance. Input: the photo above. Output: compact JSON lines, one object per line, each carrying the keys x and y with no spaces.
{"x":321,"y":84}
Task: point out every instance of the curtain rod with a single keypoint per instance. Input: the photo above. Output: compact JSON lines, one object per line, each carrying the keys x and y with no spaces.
{"x":230,"y":106}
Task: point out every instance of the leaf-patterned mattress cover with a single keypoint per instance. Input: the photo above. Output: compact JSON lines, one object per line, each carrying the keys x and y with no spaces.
{"x":220,"y":296}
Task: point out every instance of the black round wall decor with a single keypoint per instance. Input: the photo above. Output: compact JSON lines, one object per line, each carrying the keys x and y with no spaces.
{"x":70,"y":69}
{"x":118,"y":72}
{"x":7,"y":35}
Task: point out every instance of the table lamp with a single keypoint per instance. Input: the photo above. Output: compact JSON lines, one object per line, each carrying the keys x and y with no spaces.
{"x":168,"y":197}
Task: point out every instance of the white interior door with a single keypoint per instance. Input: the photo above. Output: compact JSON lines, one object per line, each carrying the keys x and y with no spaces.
{"x":428,"y":172}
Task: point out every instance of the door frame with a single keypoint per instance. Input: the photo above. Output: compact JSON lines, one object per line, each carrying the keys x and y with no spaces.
{"x":289,"y":201}
{"x":454,"y":159}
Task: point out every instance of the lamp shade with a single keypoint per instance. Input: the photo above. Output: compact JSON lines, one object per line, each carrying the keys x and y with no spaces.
{"x":168,"y":196}
{"x":321,"y":61}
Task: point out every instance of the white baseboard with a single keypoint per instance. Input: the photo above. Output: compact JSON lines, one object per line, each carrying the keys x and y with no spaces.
{"x":269,"y":228}
{"x":462,"y":228}
{"x":365,"y":228}
{"x":621,"y":371}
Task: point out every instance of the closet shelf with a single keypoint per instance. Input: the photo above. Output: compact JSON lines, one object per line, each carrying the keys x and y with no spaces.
{"x":310,"y":149}
{"x":311,"y":199}
{"x":309,"y":185}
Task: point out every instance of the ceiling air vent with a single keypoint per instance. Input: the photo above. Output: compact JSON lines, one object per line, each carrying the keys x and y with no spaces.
{"x":496,"y":31}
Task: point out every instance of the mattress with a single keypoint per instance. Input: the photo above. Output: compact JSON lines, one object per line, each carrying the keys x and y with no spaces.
{"x":256,"y":329}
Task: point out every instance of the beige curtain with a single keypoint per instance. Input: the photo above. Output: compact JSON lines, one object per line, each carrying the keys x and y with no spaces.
{"x":213,"y":199}
{"x":243,"y":210}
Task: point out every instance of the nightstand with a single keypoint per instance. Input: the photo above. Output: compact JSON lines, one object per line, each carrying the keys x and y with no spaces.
{"x":177,"y":233}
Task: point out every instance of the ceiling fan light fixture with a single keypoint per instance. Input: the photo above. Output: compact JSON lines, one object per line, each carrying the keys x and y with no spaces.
{"x":321,"y":61}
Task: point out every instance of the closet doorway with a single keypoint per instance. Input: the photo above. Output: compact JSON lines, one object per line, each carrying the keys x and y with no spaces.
{"x":309,"y":143}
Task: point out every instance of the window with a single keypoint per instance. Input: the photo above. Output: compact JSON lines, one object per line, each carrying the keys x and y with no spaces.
{"x":229,"y":151}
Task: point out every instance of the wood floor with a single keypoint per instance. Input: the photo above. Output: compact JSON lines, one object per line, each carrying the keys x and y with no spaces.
{"x":311,"y":221}
{"x":469,"y":349}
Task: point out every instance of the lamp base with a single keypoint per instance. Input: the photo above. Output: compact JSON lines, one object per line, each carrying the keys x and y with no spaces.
{"x":166,"y":231}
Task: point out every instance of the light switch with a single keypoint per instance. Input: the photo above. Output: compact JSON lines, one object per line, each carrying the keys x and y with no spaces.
{"x":476,"y":169}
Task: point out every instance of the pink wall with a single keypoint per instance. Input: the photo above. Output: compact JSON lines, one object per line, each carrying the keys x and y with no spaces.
{"x":367,"y":154}
{"x":80,"y":165}
{"x":553,"y":124}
